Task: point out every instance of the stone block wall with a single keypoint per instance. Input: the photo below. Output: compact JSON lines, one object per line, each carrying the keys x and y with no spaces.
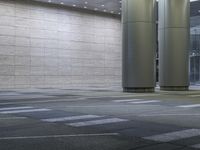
{"x":44,"y":46}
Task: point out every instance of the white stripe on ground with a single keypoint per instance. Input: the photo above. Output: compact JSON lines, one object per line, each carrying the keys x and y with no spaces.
{"x":58,"y":136}
{"x":24,"y":111}
{"x":24,"y":97}
{"x":121,"y":96}
{"x":10,"y":94}
{"x":97,"y":106}
{"x":194,"y":95}
{"x":196,"y":146}
{"x":157,"y":115}
{"x":127,"y":100}
{"x":96,"y":122}
{"x":172,"y":136}
{"x":14,"y":108}
{"x":71,"y":118}
{"x":41,"y":101}
{"x":189,"y":106}
{"x":12,"y":118}
{"x":145,"y":102}
{"x":134,"y":95}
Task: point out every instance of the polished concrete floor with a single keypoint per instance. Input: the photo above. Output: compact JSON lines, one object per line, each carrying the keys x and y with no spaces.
{"x":99,"y":119}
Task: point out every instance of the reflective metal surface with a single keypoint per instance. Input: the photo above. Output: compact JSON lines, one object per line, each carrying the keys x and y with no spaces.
{"x":174,"y":44}
{"x":176,"y":13}
{"x":141,"y":10}
{"x":139,"y":44}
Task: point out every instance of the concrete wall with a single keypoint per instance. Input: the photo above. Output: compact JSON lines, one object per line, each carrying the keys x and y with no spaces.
{"x":44,"y":45}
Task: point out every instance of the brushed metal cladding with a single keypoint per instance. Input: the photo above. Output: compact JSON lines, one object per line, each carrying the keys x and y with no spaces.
{"x":177,"y":13}
{"x":174,"y":57}
{"x":161,"y":14}
{"x":141,"y":10}
{"x":174,"y":44}
{"x":139,"y":57}
{"x":139,"y":44}
{"x":174,"y":13}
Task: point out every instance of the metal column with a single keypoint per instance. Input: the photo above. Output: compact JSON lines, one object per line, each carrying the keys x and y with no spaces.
{"x":139,"y":45}
{"x":174,"y":44}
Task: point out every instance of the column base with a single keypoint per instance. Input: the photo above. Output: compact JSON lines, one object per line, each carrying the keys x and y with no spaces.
{"x":139,"y":90}
{"x":174,"y":88}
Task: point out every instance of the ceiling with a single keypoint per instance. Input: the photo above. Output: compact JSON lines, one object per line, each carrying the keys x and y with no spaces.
{"x":109,"y":6}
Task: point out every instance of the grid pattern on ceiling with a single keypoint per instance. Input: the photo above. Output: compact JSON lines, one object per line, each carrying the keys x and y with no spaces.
{"x":109,"y":6}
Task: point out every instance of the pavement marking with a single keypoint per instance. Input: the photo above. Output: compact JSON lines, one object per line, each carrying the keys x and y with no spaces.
{"x":71,"y":118}
{"x":145,"y":102}
{"x":24,"y":111}
{"x":12,"y":118}
{"x":24,"y":97}
{"x":10,"y":94}
{"x":42,"y":101}
{"x":58,"y":136}
{"x":194,"y":95}
{"x":96,"y":122}
{"x":135,"y":95}
{"x":196,"y":146}
{"x":121,"y":96}
{"x":127,"y":100}
{"x":172,"y":136}
{"x":157,"y":115}
{"x":189,"y":106}
{"x":96,"y":106}
{"x":14,"y":108}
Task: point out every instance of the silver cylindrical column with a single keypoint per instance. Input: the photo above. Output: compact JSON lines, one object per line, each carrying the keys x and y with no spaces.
{"x":174,"y":44}
{"x":139,"y":45}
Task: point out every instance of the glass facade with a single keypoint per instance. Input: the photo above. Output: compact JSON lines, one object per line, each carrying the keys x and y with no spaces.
{"x":195,"y":55}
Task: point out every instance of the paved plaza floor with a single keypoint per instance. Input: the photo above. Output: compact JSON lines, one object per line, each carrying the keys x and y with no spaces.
{"x":99,"y":119}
